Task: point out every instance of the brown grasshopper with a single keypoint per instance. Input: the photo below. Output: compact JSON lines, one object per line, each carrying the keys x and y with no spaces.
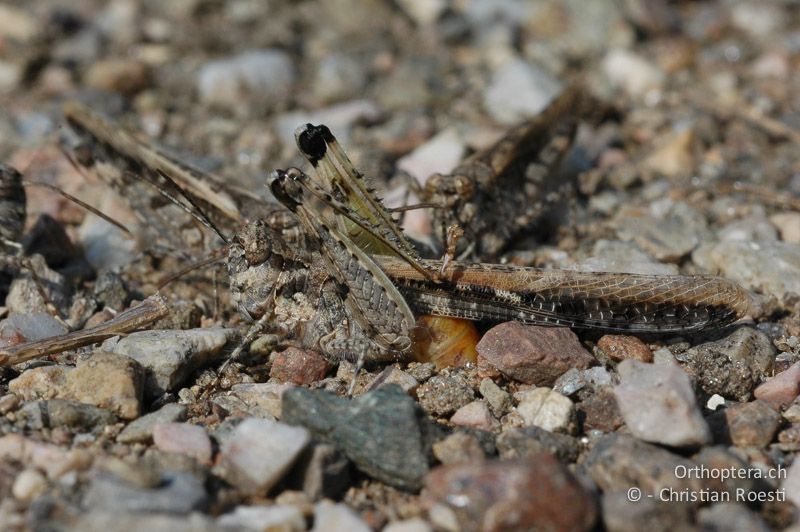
{"x":325,"y":281}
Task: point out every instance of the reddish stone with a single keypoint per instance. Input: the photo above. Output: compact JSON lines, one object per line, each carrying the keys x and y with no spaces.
{"x":533,"y":354}
{"x":752,"y":424}
{"x":619,"y":347}
{"x":537,"y":493}
{"x":299,"y":366}
{"x":600,"y":411}
{"x":782,"y":389}
{"x":183,"y":438}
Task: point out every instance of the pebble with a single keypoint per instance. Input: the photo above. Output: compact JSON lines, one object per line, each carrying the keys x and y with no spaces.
{"x":54,"y":461}
{"x":24,"y":296}
{"x":631,"y":72}
{"x":618,"y":461}
{"x":658,"y":404}
{"x":791,"y":484}
{"x":8,"y":403}
{"x":445,"y":393}
{"x":266,"y":74}
{"x":570,"y":382}
{"x":424,"y":12}
{"x":330,"y":517}
{"x":519,"y":91}
{"x":526,"y":442}
{"x":757,"y":19}
{"x":668,"y":231}
{"x":183,"y":438}
{"x":752,"y":424}
{"x":788,"y":225}
{"x":20,"y":328}
{"x":105,"y":380}
{"x":439,"y":155}
{"x":547,"y":409}
{"x":278,"y":517}
{"x":730,"y":516}
{"x":298,"y":366}
{"x":395,"y":375}
{"x":498,"y":399}
{"x":108,"y":519}
{"x":475,"y":415}
{"x":755,"y":227}
{"x":16,"y":24}
{"x":621,"y":515}
{"x":674,"y":156}
{"x":771,"y":268}
{"x":174,"y":493}
{"x":262,"y":399}
{"x":242,"y":454}
{"x":54,"y":413}
{"x":600,"y":411}
{"x":125,"y":76}
{"x":459,"y":447}
{"x":623,"y":257}
{"x":338,"y":77}
{"x":170,"y":356}
{"x":732,"y":366}
{"x":531,"y":494}
{"x":141,"y":430}
{"x":28,"y":485}
{"x":532,"y":354}
{"x":10,"y":77}
{"x":782,"y":389}
{"x":381,"y":431}
{"x":408,"y":525}
{"x":792,"y":414}
{"x":619,"y":347}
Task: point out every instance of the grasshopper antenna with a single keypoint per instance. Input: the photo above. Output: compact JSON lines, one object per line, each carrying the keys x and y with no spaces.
{"x":215,"y":256}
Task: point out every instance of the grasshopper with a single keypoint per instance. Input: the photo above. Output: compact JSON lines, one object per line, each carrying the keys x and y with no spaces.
{"x":350,"y":285}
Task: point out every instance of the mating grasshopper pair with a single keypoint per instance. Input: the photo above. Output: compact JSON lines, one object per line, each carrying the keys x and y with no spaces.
{"x":350,"y":283}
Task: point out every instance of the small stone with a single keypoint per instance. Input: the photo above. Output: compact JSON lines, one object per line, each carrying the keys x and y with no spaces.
{"x":409,"y":525}
{"x":752,"y":424}
{"x":278,"y":518}
{"x":439,"y":154}
{"x":338,"y":77}
{"x":330,"y":517}
{"x":668,"y":231}
{"x":715,"y":401}
{"x":730,"y":516}
{"x":395,"y":375}
{"x":61,"y":413}
{"x":169,"y":357}
{"x":24,"y":296}
{"x":791,"y":484}
{"x":28,"y":485}
{"x":424,"y":12}
{"x":261,"y":399}
{"x":141,"y":430}
{"x":242,"y":455}
{"x":631,"y":72}
{"x":183,"y":438}
{"x":299,"y":367}
{"x":54,"y":461}
{"x":547,"y":409}
{"x":175,"y":493}
{"x":620,"y":514}
{"x":618,"y":461}
{"x":532,"y":494}
{"x":382,"y":431}
{"x":444,"y":394}
{"x":10,"y":77}
{"x":106,"y":380}
{"x":498,"y":399}
{"x":754,"y":227}
{"x":792,"y":414}
{"x":658,"y":404}
{"x":570,"y":382}
{"x":600,"y":411}
{"x":264,"y":74}
{"x":531,"y":441}
{"x":732,"y":366}
{"x":771,"y":268}
{"x":622,"y":256}
{"x":519,"y":91}
{"x":788,"y":225}
{"x":125,"y":76}
{"x":459,"y":447}
{"x":619,"y":347}
{"x":8,"y":403}
{"x":20,"y":328}
{"x":17,"y":24}
{"x":757,"y":19}
{"x":110,"y":519}
{"x":475,"y":415}
{"x":532,"y":354}
{"x":782,"y":389}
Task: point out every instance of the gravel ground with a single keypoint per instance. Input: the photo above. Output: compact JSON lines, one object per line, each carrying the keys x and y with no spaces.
{"x":691,"y":166}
